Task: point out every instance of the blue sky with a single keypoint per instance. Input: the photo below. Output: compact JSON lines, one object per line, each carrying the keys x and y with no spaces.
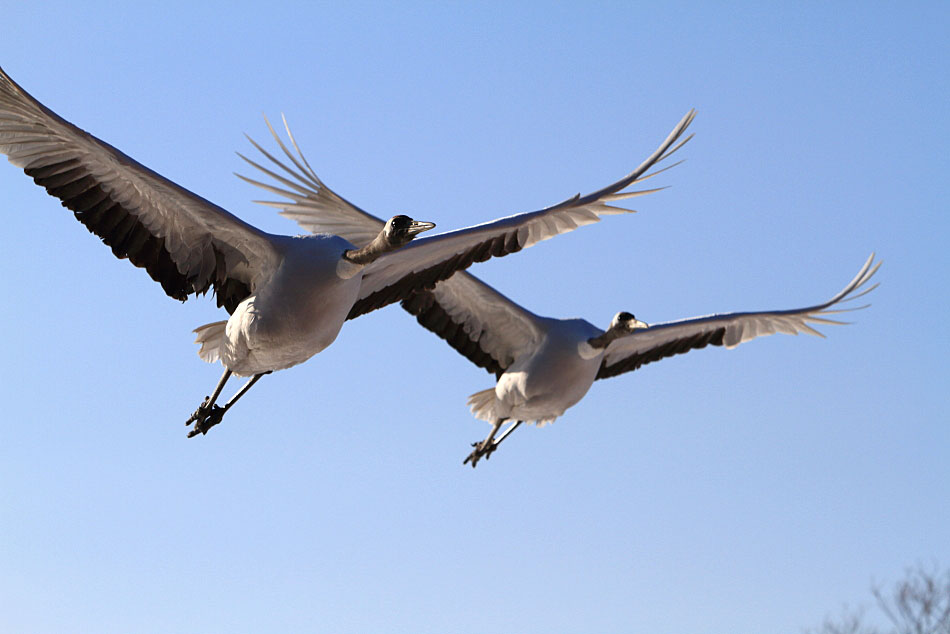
{"x":750,"y":490}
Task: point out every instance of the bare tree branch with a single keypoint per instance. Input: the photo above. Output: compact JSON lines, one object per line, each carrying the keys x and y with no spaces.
{"x":918,"y":604}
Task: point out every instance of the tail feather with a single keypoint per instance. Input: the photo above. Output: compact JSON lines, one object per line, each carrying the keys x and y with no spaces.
{"x":483,"y":405}
{"x":212,"y":338}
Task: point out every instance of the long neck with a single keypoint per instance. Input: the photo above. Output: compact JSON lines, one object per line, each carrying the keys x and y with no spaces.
{"x":602,"y":341}
{"x":371,"y":251}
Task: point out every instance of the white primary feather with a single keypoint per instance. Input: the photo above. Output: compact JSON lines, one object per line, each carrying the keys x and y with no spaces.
{"x":318,"y":209}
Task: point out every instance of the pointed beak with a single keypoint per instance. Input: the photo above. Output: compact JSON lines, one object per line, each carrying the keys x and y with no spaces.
{"x":639,"y":325}
{"x":418,"y":227}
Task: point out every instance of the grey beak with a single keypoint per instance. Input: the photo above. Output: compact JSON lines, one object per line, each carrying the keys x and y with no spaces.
{"x":639,"y":325}
{"x":419,"y":226}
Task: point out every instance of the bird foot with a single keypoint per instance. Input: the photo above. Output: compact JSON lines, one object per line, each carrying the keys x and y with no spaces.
{"x":483,"y":449}
{"x":204,"y":418}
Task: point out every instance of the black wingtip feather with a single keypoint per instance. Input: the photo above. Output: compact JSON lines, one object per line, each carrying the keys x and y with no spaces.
{"x":669,"y":349}
{"x":80,"y":192}
{"x":432,"y":317}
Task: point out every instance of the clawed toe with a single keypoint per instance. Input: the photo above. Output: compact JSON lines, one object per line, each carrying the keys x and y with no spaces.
{"x":473,"y":458}
{"x":199,"y":414}
{"x":480,"y":452}
{"x":204,"y":418}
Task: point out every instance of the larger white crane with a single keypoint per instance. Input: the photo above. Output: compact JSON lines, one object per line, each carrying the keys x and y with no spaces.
{"x":287,"y":296}
{"x":543,"y":365}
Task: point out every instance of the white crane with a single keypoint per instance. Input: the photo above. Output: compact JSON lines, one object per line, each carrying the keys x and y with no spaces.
{"x":287,"y":296}
{"x":543,"y":365}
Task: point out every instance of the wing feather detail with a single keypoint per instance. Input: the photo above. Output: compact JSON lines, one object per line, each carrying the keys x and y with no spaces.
{"x":659,"y":341}
{"x":313,"y":205}
{"x":427,"y":261}
{"x":480,"y":323}
{"x":184,"y":242}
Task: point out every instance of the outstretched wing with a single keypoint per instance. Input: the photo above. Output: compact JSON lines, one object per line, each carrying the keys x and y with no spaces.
{"x":318,"y":209}
{"x":479,"y":322}
{"x":483,"y":325}
{"x":313,"y":205}
{"x":186,"y":243}
{"x":426,"y":261}
{"x":665,"y":340}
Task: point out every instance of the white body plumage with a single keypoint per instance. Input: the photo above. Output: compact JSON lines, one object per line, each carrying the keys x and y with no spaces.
{"x":297,"y":313}
{"x":541,"y":386}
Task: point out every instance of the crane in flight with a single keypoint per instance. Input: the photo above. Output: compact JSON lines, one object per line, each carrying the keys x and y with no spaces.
{"x":543,"y":365}
{"x":287,"y":296}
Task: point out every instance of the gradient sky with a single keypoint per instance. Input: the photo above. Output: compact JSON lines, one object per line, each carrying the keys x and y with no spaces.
{"x":753,"y":490}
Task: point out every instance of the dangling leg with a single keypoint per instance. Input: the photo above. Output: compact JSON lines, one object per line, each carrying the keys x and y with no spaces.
{"x":488,"y":446}
{"x":208,"y":414}
{"x":204,"y":410}
{"x":498,"y":440}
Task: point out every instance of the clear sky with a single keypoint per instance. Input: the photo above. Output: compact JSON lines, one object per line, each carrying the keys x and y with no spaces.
{"x":745,"y":491}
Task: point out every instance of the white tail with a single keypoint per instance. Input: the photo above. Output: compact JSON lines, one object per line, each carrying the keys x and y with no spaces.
{"x":482,"y":405}
{"x":211,"y":337}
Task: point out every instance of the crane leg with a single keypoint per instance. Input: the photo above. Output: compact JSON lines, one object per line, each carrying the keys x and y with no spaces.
{"x":488,"y":446}
{"x":208,"y":414}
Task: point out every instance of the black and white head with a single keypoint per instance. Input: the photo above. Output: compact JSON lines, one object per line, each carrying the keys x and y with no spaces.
{"x":397,"y":232}
{"x":621,"y":325}
{"x":625,"y":322}
{"x":400,"y":230}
